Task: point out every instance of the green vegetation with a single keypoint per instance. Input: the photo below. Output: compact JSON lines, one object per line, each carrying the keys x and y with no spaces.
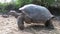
{"x":15,"y":5}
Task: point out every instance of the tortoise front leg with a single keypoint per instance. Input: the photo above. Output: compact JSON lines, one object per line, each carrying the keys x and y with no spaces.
{"x":20,"y":22}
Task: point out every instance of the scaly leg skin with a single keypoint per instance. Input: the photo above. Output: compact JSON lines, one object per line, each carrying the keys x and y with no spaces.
{"x":20,"y":22}
{"x":49,"y":24}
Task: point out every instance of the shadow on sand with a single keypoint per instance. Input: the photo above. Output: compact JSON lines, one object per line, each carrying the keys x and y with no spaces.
{"x":36,"y":28}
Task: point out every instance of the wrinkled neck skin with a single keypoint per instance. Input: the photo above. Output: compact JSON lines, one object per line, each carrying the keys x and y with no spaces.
{"x":14,"y":14}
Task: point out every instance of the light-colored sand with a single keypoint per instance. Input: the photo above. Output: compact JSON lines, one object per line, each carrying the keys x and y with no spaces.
{"x":9,"y":26}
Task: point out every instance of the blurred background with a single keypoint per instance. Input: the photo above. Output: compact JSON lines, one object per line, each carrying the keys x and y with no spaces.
{"x":52,"y":5}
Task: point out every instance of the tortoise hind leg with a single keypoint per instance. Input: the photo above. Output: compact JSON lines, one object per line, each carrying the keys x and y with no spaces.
{"x":49,"y":24}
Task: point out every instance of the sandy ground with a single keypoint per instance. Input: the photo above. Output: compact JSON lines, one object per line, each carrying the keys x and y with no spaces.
{"x":9,"y":26}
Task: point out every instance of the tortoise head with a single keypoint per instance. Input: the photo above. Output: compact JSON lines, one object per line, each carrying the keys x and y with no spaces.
{"x":12,"y":12}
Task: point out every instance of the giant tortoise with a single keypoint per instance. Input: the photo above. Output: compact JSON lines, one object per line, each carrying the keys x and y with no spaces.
{"x":32,"y":13}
